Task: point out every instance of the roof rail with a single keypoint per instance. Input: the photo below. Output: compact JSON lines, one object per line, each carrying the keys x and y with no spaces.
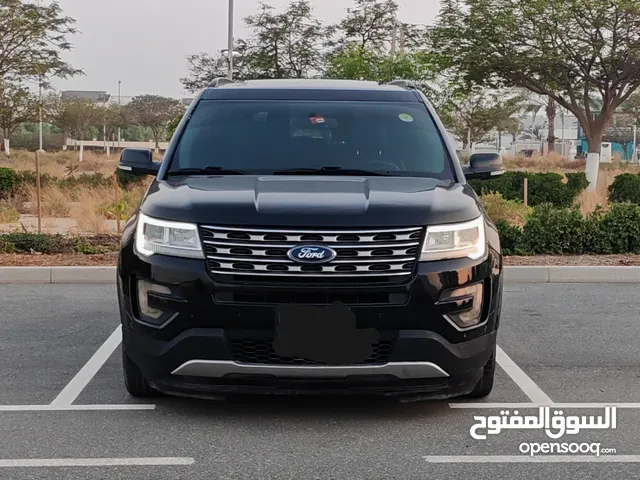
{"x":408,"y":84}
{"x":216,"y":82}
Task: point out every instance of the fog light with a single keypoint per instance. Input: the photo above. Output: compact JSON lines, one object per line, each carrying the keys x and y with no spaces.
{"x":463,"y":306}
{"x":144,"y":287}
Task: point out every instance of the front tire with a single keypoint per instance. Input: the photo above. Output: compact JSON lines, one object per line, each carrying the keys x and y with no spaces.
{"x":134,"y":381}
{"x":484,"y":387}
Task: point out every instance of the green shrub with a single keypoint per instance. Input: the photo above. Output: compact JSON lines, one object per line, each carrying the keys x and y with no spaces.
{"x":512,"y":211}
{"x":97,"y":244}
{"x":90,"y":180}
{"x":126,"y":180}
{"x":6,"y":246}
{"x":621,"y":227}
{"x":625,"y":188}
{"x":542,"y":187}
{"x":510,"y":237}
{"x":8,"y":181}
{"x":28,"y":177}
{"x":509,"y":184}
{"x":25,"y":242}
{"x":54,"y":244}
{"x":595,"y":238}
{"x":554,"y":231}
{"x":577,"y":182}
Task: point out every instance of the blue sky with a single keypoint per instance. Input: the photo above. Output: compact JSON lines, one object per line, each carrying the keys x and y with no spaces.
{"x":144,"y":43}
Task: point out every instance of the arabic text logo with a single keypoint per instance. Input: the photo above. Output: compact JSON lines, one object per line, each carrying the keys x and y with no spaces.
{"x":555,"y":426}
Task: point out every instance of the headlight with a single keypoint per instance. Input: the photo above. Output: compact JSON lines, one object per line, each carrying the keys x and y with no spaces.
{"x":163,"y":237}
{"x":444,"y":242}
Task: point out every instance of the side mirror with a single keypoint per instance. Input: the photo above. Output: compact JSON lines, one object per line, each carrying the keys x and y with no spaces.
{"x":138,"y":162}
{"x":484,"y":166}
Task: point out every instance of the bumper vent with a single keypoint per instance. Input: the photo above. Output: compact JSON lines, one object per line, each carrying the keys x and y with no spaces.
{"x":253,"y":350}
{"x":360,"y":254}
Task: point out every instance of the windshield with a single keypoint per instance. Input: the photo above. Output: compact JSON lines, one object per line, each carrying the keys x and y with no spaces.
{"x":264,"y":137}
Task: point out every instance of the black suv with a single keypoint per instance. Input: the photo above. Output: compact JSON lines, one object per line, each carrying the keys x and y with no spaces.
{"x":310,"y":236}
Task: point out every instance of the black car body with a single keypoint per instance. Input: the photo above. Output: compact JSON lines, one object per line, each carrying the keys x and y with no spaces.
{"x":340,"y":205}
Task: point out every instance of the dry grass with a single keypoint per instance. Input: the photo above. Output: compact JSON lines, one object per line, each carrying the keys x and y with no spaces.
{"x":90,"y":207}
{"x":537,"y":162}
{"x":8,"y":213}
{"x":56,"y":163}
{"x":498,"y":208}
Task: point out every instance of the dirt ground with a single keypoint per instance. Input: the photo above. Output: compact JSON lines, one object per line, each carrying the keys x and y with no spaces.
{"x":111,"y":260}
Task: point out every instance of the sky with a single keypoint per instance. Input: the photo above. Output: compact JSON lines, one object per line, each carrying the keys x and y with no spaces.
{"x":144,"y":43}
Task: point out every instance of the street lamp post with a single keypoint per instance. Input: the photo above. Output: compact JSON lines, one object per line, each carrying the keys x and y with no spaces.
{"x":40,"y":112}
{"x":119,"y":83}
{"x":230,"y":40}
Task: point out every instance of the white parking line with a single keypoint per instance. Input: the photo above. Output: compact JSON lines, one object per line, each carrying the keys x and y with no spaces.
{"x":529,"y":459}
{"x":538,"y":405}
{"x":94,"y":462}
{"x":66,"y":408}
{"x":528,"y":386}
{"x":73,"y":389}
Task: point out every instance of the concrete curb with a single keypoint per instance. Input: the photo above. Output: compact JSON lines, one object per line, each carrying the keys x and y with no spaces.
{"x":532,"y":274}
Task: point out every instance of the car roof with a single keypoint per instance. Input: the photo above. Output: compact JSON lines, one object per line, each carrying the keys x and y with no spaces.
{"x":309,"y":89}
{"x":310,"y":83}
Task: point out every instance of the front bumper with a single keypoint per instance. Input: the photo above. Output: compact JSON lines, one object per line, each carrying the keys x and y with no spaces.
{"x":193,"y":349}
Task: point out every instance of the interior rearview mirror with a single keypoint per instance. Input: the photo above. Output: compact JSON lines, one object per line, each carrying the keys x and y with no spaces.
{"x":138,"y":162}
{"x":484,"y":165}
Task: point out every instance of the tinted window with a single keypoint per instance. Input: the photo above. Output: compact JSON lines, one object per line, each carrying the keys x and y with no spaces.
{"x":262,"y":136}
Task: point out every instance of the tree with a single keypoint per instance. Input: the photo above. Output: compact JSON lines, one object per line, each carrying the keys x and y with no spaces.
{"x":288,"y":44}
{"x":32,"y":39}
{"x":355,"y":63}
{"x":632,"y":107}
{"x":473,"y":118}
{"x":564,"y":49}
{"x":480,"y":112}
{"x":113,"y":117}
{"x":551,"y":110}
{"x":172,"y":126}
{"x":74,"y":116}
{"x":203,"y":67}
{"x":155,"y":112}
{"x":17,"y":106}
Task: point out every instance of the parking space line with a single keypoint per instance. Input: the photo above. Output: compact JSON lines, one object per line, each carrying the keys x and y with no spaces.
{"x":530,"y":459}
{"x":78,"y":383}
{"x":470,"y":405}
{"x":94,"y":462}
{"x":528,"y":386}
{"x":66,"y":408}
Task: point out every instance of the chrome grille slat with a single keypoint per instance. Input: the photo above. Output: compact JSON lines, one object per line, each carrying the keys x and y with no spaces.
{"x":376,"y":253}
{"x":301,"y":268}
{"x":261,"y":251}
{"x":300,"y":238}
{"x":355,"y":260}
{"x":335,"y":246}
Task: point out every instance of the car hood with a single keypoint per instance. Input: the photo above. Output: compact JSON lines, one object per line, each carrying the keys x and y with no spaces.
{"x":310,"y":201}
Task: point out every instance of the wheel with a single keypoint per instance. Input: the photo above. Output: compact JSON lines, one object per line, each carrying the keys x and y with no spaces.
{"x":485,"y":385}
{"x":135,"y":383}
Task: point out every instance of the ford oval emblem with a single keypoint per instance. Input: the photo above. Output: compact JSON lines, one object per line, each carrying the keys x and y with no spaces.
{"x":311,"y":254}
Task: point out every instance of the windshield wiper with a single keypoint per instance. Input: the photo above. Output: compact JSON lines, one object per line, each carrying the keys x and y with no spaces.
{"x":208,"y":170}
{"x":329,"y":171}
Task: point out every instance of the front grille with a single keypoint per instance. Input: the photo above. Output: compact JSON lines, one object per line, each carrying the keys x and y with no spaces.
{"x":314,"y":297}
{"x":260,"y":350}
{"x":361,"y":254}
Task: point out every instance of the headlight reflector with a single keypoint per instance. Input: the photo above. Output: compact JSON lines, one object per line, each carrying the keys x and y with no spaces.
{"x":444,"y":242}
{"x":155,"y":236}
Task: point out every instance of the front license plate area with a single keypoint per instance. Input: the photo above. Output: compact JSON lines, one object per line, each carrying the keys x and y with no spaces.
{"x":324,"y":334}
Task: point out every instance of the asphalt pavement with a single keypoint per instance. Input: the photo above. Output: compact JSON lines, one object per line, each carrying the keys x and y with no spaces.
{"x":570,"y":343}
